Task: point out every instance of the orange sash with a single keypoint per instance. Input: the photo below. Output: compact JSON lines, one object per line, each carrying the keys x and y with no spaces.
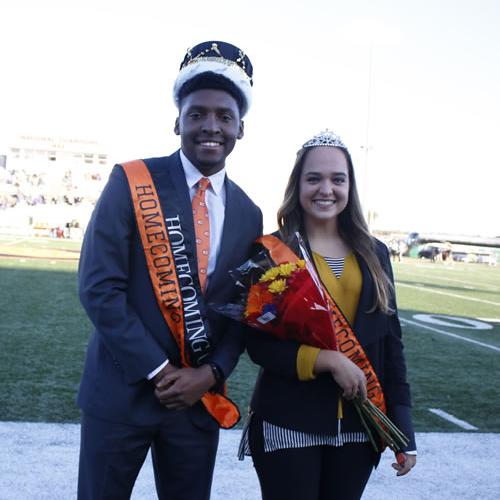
{"x":162,"y":271}
{"x":347,"y":343}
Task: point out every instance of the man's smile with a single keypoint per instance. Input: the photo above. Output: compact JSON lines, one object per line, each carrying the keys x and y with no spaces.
{"x":209,"y":144}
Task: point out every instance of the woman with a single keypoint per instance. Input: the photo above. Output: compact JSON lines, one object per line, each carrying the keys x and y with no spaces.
{"x":305,"y":436}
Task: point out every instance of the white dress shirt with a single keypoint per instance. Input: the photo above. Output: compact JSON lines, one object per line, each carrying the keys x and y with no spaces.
{"x":215,"y":198}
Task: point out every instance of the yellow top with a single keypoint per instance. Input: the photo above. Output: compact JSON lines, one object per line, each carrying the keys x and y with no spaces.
{"x":306,"y":357}
{"x":346,"y":291}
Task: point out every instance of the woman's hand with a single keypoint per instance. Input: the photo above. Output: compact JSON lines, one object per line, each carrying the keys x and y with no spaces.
{"x":405,"y":463}
{"x":348,"y":376}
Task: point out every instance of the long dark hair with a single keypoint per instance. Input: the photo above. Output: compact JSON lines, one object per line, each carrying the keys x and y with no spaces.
{"x":352,"y":227}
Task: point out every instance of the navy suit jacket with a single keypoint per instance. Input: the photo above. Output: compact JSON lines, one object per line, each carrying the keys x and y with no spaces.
{"x":311,"y":406}
{"x":131,"y":337}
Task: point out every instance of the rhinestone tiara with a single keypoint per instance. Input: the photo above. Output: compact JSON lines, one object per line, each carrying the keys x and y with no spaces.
{"x":325,"y":138}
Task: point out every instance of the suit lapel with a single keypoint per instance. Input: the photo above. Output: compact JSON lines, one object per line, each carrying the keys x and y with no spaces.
{"x":364,"y":304}
{"x":230,"y":235}
{"x":173,"y":191}
{"x":178,"y":180}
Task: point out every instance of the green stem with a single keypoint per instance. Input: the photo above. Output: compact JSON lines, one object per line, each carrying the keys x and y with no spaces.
{"x":400,"y":437}
{"x":365,"y":425}
{"x":392,"y":436}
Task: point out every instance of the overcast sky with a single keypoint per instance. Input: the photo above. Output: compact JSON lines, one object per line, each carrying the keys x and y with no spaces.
{"x":418,"y":82}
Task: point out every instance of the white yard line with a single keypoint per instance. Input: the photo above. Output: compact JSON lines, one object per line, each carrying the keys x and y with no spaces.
{"x":489,"y":320}
{"x":472,"y":299}
{"x":435,"y":268}
{"x":15,"y":242}
{"x":454,"y":335}
{"x":454,"y":420}
{"x":492,"y":288}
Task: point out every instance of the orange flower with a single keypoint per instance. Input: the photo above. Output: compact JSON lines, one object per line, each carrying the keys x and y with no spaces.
{"x":258,"y":297}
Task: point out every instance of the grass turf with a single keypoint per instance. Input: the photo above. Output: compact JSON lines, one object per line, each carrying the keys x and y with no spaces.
{"x":44,"y":332}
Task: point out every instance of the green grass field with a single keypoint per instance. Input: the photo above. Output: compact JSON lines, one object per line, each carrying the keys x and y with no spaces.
{"x":44,"y":332}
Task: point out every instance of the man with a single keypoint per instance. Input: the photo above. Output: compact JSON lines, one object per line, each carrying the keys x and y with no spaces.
{"x":152,"y":259}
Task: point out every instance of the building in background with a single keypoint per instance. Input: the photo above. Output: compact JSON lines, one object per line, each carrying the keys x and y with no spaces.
{"x":49,"y":185}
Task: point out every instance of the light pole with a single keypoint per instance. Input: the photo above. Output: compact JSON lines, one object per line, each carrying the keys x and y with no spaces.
{"x":366,"y":146}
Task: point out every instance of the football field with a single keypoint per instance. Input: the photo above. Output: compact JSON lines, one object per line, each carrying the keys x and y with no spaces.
{"x":451,"y":329}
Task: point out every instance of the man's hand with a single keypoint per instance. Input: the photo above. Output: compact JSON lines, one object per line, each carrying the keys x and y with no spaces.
{"x":183,"y":387}
{"x":168,"y":368}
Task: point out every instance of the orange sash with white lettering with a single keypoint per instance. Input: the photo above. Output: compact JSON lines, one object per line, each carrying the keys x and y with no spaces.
{"x":156,"y":244}
{"x":347,"y":343}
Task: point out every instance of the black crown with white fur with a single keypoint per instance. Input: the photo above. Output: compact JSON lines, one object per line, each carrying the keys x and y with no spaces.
{"x":222,"y":59}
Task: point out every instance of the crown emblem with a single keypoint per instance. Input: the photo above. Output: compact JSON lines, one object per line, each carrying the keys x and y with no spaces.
{"x":213,"y":53}
{"x":325,"y":138}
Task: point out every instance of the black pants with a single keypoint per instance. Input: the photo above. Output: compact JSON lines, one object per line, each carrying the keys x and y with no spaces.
{"x":312,"y":473}
{"x":112,"y":454}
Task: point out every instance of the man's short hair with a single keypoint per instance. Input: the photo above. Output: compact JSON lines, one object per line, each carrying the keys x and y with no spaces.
{"x":214,"y":81}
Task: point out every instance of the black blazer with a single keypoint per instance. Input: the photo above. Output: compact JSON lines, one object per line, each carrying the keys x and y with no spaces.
{"x":311,"y":406}
{"x":130,"y":337}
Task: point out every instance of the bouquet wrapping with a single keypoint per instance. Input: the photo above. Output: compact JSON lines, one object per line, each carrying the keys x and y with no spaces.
{"x":283,"y":296}
{"x":286,"y":303}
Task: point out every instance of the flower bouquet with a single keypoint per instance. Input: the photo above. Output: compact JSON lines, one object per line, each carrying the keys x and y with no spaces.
{"x":282,"y":295}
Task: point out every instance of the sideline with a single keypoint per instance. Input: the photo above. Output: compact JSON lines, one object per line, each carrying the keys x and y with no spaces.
{"x":15,"y":242}
{"x":424,"y":289}
{"x":491,"y":288}
{"x":39,"y":461}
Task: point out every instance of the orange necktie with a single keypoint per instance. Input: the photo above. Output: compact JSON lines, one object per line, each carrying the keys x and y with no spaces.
{"x":202,"y":230}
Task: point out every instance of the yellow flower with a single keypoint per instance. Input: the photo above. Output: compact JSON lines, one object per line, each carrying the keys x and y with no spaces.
{"x":270,"y":274}
{"x":287,"y":269}
{"x":277,"y":286}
